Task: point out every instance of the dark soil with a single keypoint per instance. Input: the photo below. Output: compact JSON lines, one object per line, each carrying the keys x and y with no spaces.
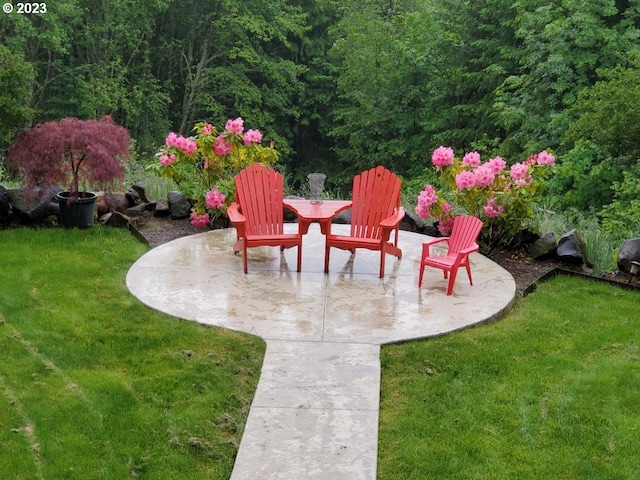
{"x":159,"y":230}
{"x":525,"y":270}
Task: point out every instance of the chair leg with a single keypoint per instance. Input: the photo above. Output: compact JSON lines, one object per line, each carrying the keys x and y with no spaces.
{"x":422,"y":265}
{"x":327,"y":249}
{"x":469,"y":273}
{"x":382,"y":252}
{"x":452,"y":280}
{"x":244,"y":259}
{"x":299,"y":257}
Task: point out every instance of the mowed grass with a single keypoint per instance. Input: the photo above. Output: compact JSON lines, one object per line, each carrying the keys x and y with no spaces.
{"x":94,"y":385}
{"x":552,"y":391}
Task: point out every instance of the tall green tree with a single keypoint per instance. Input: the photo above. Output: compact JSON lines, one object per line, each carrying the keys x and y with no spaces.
{"x":92,"y":58}
{"x":562,"y":44}
{"x":479,"y":54}
{"x":603,"y":141}
{"x":315,"y":95}
{"x":156,"y":65}
{"x":226,"y":58}
{"x":416,"y":75}
{"x":378,"y":52}
{"x":16,"y":84}
{"x":44,"y":40}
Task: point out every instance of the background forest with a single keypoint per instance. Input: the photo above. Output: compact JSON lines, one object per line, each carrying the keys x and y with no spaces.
{"x":348,"y":84}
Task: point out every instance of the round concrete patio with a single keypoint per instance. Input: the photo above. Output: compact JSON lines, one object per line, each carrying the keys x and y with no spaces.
{"x":199,"y":278}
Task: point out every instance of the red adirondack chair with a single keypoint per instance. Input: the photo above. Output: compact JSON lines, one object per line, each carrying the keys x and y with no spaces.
{"x":461,"y":243}
{"x":257,"y":212}
{"x":375,"y":213}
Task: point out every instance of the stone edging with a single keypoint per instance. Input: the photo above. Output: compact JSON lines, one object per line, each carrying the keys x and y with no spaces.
{"x":564,"y":271}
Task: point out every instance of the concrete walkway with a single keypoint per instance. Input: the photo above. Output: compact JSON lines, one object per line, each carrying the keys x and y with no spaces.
{"x":315,"y":411}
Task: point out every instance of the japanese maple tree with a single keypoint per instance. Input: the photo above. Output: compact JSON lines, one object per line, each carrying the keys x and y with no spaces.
{"x":70,"y":152}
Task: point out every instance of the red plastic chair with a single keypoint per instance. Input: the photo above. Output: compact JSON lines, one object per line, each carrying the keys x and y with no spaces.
{"x":257,"y":212}
{"x":375,"y":213}
{"x":462,"y":242}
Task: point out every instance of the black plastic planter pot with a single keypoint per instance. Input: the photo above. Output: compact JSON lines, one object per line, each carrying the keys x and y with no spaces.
{"x":76,"y":212}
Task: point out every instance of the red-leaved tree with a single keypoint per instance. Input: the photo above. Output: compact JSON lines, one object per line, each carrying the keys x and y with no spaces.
{"x":71,"y":152}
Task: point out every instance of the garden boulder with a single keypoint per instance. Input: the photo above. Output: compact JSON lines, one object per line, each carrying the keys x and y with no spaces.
{"x":629,"y":252}
{"x":544,"y":247}
{"x":141,"y":191}
{"x":572,"y":249}
{"x":343,"y":218}
{"x":111,"y":202}
{"x":162,"y":208}
{"x":412,"y":222}
{"x":6,"y":211}
{"x":180,"y":207}
{"x":35,"y":206}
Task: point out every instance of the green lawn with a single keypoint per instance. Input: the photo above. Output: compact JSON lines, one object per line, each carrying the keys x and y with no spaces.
{"x":94,"y":385}
{"x":552,"y":391}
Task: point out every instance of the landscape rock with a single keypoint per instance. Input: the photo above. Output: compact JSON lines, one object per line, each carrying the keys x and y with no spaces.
{"x":431,"y":229}
{"x":34,"y":207}
{"x":572,"y":249}
{"x":523,"y":238}
{"x":544,"y":247}
{"x":629,"y":252}
{"x":141,"y":190}
{"x":343,"y":218}
{"x":412,"y":222}
{"x":114,"y":219}
{"x":6,"y":209}
{"x":133,"y":197}
{"x":180,"y":207}
{"x":136,"y":210}
{"x":162,"y":208}
{"x":111,"y":202}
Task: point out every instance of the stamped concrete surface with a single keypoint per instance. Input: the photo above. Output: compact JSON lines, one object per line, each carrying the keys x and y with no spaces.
{"x":315,"y":411}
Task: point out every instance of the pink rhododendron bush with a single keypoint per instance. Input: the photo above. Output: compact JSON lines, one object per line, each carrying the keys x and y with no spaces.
{"x":502,"y":196}
{"x":204,"y":164}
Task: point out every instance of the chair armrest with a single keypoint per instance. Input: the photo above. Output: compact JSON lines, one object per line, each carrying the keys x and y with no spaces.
{"x":435,"y":240}
{"x":390,"y":224}
{"x":427,"y":245}
{"x":233,"y":212}
{"x":393,"y":221}
{"x":464,"y":254}
{"x":466,"y":251}
{"x":239,"y":221}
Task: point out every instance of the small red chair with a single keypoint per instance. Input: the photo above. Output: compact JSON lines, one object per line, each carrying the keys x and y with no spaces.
{"x":257,"y":212}
{"x":461,"y":243}
{"x":375,"y":213}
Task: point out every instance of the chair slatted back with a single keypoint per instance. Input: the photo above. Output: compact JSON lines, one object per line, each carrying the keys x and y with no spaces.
{"x":464,"y":233}
{"x":259,"y":191}
{"x":376,"y":194}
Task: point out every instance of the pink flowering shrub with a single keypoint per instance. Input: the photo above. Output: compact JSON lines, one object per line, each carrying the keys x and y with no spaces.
{"x":442,"y":156}
{"x":502,"y":197}
{"x":204,"y":164}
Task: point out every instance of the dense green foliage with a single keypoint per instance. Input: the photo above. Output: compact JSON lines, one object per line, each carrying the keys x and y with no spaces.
{"x":156,"y":65}
{"x":16,"y":77}
{"x":344,"y":85}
